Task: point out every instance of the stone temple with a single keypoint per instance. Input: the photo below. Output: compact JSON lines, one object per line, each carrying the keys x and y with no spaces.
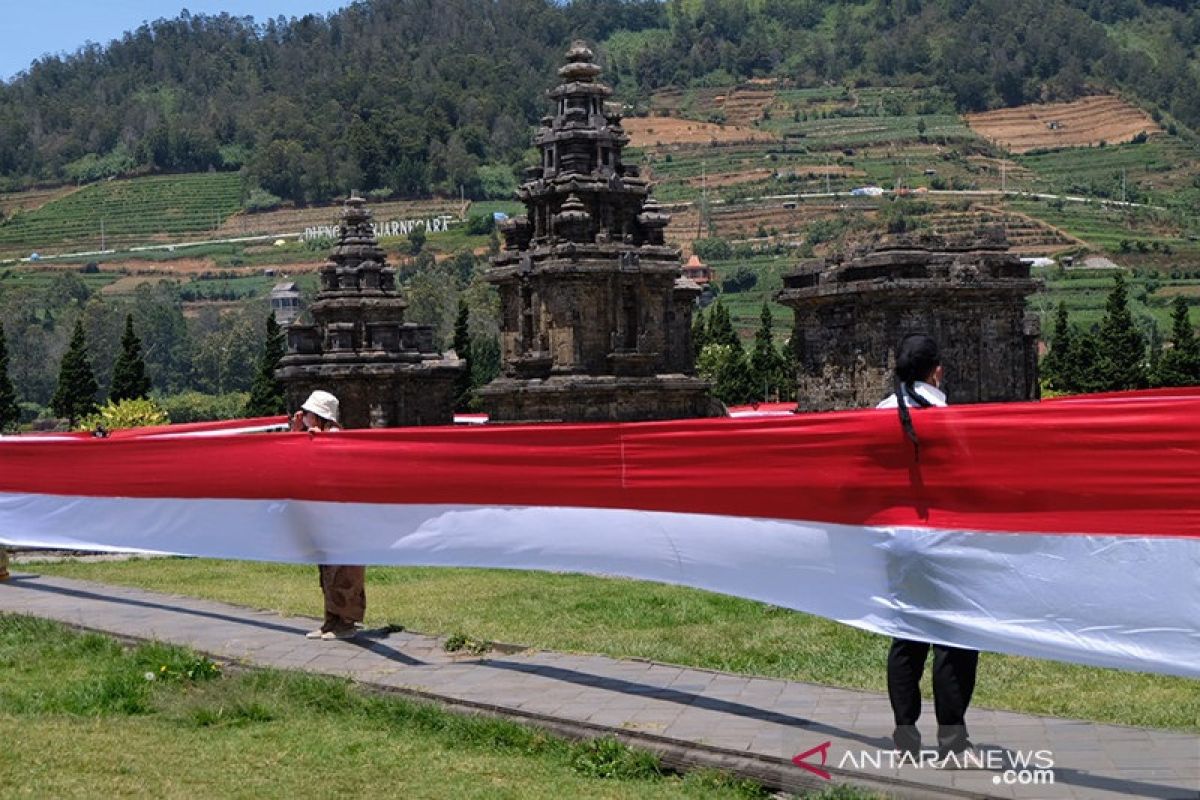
{"x":595,"y":315}
{"x":968,"y":294}
{"x":385,"y":371}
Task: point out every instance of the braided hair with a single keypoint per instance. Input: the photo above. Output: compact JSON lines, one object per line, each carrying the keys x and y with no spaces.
{"x":916,"y":358}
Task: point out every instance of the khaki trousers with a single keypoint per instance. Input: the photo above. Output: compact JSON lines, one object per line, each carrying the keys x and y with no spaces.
{"x":345,"y":593}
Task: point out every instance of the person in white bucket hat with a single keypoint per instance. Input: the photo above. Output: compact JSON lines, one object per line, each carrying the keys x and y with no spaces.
{"x":343,"y":585}
{"x":318,"y":413}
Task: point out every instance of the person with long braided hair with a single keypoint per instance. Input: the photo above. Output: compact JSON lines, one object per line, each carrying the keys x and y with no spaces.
{"x":918,"y":381}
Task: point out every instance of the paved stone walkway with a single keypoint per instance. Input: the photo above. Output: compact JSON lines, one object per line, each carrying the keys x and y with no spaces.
{"x":690,"y":716}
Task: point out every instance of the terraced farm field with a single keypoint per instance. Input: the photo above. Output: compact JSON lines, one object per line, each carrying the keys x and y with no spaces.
{"x":745,"y":105}
{"x":1082,"y":123}
{"x":39,"y":278}
{"x":739,"y":105}
{"x":11,"y":202}
{"x":1026,"y":235}
{"x":842,"y":132}
{"x":745,"y":307}
{"x":739,"y":221}
{"x":1160,"y":170}
{"x":130,"y":212}
{"x":680,"y":173}
{"x":666,"y":131}
{"x":1119,"y":231}
{"x":1085,"y":295}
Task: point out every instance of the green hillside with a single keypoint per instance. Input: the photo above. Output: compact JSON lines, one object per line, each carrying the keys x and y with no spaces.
{"x":123,"y":213}
{"x":412,"y":98}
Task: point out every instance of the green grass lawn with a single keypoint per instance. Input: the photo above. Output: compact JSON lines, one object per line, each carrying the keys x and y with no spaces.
{"x":626,"y":618}
{"x":80,"y":719}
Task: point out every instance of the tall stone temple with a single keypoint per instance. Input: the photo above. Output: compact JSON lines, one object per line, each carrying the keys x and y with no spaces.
{"x":595,"y":314}
{"x":968,"y":294}
{"x":384,"y":371}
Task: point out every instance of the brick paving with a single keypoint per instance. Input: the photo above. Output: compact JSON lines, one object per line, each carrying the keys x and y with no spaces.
{"x":689,"y":716}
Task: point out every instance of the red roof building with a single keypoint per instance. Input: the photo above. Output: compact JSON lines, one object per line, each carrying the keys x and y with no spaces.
{"x":698,"y":271}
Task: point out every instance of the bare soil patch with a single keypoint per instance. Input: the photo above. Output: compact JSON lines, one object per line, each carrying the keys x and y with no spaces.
{"x":731,"y":178}
{"x":176,"y":266}
{"x":32,"y":199}
{"x":194,"y":309}
{"x":1172,"y":291}
{"x":129,"y":283}
{"x":1082,"y":123}
{"x":746,"y":106}
{"x":660,"y":131}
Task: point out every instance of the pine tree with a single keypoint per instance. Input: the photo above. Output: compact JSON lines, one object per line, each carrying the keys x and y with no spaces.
{"x":1121,"y":349}
{"x":1180,"y":366}
{"x":10,"y":413}
{"x":1058,"y":364}
{"x":734,"y":382}
{"x":462,"y":346}
{"x":699,"y":333}
{"x":75,"y":396}
{"x":720,"y":327}
{"x":129,"y":380}
{"x":768,"y":368}
{"x":1086,"y":371}
{"x":266,"y":392}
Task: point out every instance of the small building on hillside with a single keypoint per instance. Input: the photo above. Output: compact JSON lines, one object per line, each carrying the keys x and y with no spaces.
{"x":285,"y":303}
{"x":697,"y":271}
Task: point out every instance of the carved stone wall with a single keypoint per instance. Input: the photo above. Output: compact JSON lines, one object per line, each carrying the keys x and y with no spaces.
{"x":595,"y":315}
{"x":384,"y":371}
{"x":969,"y":295}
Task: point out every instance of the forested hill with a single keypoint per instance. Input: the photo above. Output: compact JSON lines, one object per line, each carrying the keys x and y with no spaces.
{"x":417,"y":96}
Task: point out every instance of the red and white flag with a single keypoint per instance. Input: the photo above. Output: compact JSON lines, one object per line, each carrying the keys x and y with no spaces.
{"x":1067,"y":529}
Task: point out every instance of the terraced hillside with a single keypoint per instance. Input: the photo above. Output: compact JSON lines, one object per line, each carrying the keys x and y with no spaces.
{"x":1161,"y":171}
{"x":741,"y":105}
{"x":12,"y":202}
{"x":1026,"y":235}
{"x":121,"y":213}
{"x":781,"y":221}
{"x":1083,"y":123}
{"x":1134,"y":237}
{"x":647,"y":132}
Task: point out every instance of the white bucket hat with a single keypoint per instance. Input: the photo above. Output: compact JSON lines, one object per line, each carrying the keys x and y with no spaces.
{"x":323,"y":404}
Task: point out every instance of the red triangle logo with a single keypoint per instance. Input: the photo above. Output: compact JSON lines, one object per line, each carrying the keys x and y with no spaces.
{"x":823,"y":749}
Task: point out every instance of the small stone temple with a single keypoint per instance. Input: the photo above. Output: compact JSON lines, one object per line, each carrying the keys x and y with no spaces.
{"x":968,"y":294}
{"x":595,"y":314}
{"x":385,"y":371}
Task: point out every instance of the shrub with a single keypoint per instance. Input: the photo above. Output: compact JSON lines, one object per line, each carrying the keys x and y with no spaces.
{"x":261,"y":200}
{"x":137,"y":413}
{"x":480,"y":224}
{"x":740,"y":281}
{"x":714,"y":249}
{"x":497,"y":181}
{"x":200,"y":407}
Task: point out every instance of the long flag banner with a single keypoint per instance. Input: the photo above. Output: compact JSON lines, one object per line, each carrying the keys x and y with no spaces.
{"x":1067,"y":529}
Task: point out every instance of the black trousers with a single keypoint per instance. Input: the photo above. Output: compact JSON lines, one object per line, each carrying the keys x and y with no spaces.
{"x":953,"y":684}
